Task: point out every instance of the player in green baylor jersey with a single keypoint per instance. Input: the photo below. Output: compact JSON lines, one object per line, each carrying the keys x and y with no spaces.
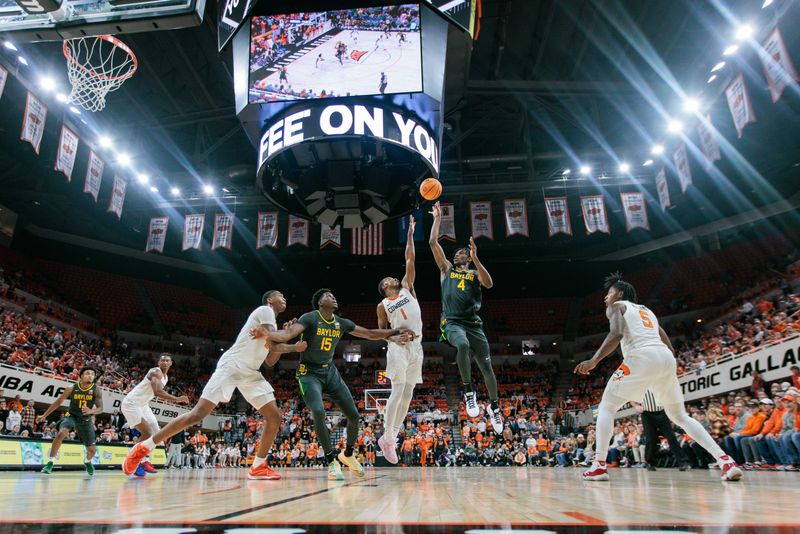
{"x":461,"y":326}
{"x":85,"y":400}
{"x":322,"y":329}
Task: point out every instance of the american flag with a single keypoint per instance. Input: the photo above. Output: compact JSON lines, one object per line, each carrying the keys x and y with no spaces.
{"x":367,"y":241}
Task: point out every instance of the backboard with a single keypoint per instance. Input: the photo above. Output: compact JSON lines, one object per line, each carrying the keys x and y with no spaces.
{"x":55,"y":20}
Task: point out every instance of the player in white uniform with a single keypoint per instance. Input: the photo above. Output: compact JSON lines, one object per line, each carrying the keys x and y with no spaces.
{"x":400,"y":310}
{"x":649,"y":363}
{"x":238,"y":368}
{"x":135,"y":406}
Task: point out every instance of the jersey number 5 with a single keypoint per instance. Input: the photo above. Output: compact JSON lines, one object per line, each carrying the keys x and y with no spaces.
{"x":461,"y":285}
{"x":646,"y":321}
{"x":326,"y":344}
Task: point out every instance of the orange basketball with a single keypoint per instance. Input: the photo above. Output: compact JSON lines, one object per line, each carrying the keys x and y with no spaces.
{"x":430,"y":189}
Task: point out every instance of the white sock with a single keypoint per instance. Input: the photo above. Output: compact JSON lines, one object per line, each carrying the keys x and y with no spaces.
{"x":259,"y":461}
{"x":149,"y":444}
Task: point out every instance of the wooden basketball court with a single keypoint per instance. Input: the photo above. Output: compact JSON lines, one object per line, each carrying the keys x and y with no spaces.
{"x":430,"y":499}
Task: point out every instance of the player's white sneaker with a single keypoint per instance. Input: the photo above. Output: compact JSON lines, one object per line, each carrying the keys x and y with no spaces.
{"x":496,"y":418}
{"x":471,"y":400}
{"x":730,"y":471}
{"x":597,"y":473}
{"x":388,"y":448}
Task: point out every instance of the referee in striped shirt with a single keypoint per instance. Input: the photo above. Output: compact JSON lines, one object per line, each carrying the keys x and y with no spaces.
{"x":656,"y":423}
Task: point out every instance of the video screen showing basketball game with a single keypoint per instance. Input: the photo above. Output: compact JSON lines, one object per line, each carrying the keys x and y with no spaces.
{"x":348,"y":52}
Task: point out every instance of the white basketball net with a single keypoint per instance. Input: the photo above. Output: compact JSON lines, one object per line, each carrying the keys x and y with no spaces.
{"x":96,"y":66}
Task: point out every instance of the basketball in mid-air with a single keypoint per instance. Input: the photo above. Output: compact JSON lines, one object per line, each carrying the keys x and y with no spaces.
{"x":430,"y":189}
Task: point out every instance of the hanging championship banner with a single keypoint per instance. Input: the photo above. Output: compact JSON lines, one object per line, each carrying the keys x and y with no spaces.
{"x":193,"y":231}
{"x":480,"y":216}
{"x":33,"y":122}
{"x":223,"y":231}
{"x":67,"y":150}
{"x":681,"y":160}
{"x":739,"y":104}
{"x":157,"y":234}
{"x":557,"y":216}
{"x":663,"y":188}
{"x":117,"y":196}
{"x":447,"y":227}
{"x":635,"y":211}
{"x":516,"y":212}
{"x":3,"y":78}
{"x":298,"y":231}
{"x":595,"y":217}
{"x":708,"y":141}
{"x":94,"y":175}
{"x":267,"y":235}
{"x":330,"y":236}
{"x":778,"y":67}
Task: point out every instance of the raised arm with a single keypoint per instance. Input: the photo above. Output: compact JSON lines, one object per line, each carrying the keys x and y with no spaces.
{"x":483,"y":275}
{"x":383,"y":319}
{"x":411,"y":270}
{"x":155,"y":376}
{"x":56,"y":403}
{"x":610,"y":343}
{"x":438,"y":252}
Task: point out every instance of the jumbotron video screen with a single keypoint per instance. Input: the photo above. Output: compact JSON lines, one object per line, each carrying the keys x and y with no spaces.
{"x":349,"y":52}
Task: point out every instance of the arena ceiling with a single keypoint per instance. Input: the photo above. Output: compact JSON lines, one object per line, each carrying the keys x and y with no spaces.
{"x":551,"y":85}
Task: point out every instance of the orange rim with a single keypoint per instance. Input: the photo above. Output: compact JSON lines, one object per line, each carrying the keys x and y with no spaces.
{"x":114,"y":41}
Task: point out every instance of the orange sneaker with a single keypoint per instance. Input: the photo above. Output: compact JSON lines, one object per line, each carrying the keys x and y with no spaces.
{"x":148,"y":467}
{"x":262,"y":472}
{"x":134,"y":458}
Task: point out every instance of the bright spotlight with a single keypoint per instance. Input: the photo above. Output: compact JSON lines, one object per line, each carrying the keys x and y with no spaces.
{"x":22,"y":60}
{"x":745,"y":31}
{"x":105,"y":141}
{"x":175,"y":191}
{"x":732,"y":49}
{"x":647,"y":163}
{"x":713,"y":77}
{"x":47,"y":83}
{"x":143,"y":179}
{"x":691,"y":105}
{"x":207,"y":189}
{"x":718,"y":66}
{"x":123,"y":159}
{"x":766,"y":3}
{"x":61,"y":97}
{"x":657,"y":150}
{"x":75,"y":110}
{"x":624,"y":167}
{"x":10,"y":46}
{"x":585,"y":169}
{"x":566,"y":172}
{"x":154,"y":189}
{"x":674,"y":126}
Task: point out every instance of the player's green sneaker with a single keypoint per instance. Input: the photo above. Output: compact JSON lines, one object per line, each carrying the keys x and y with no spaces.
{"x":89,"y":468}
{"x":335,"y":471}
{"x":352,"y":463}
{"x":47,"y":469}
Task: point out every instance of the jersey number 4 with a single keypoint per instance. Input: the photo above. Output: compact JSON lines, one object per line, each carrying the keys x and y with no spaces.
{"x":326,"y":343}
{"x":646,"y":321}
{"x":461,"y":285}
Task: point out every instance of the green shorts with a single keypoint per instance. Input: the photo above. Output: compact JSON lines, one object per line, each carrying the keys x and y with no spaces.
{"x":83,"y":428}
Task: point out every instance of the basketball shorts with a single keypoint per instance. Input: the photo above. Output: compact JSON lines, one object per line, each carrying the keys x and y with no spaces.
{"x":136,"y":414}
{"x":84,"y":428}
{"x":251,"y":384}
{"x":404,"y":362}
{"x":652,"y":368}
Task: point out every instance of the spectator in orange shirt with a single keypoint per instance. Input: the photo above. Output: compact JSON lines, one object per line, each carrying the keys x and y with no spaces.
{"x":408,"y":451}
{"x":749,"y":444}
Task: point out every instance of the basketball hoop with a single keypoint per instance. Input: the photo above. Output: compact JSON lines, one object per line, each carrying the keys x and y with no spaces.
{"x":96,"y":66}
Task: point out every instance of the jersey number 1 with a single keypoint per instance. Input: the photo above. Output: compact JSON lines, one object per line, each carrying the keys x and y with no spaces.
{"x":646,"y":321}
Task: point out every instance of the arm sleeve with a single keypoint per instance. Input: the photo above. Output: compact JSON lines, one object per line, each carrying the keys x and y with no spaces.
{"x":347,"y":325}
{"x":266,"y":315}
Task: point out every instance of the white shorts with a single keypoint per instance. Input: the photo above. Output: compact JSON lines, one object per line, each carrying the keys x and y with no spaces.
{"x":652,"y":368}
{"x":251,"y":384}
{"x":404,"y":362}
{"x":136,"y":414}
